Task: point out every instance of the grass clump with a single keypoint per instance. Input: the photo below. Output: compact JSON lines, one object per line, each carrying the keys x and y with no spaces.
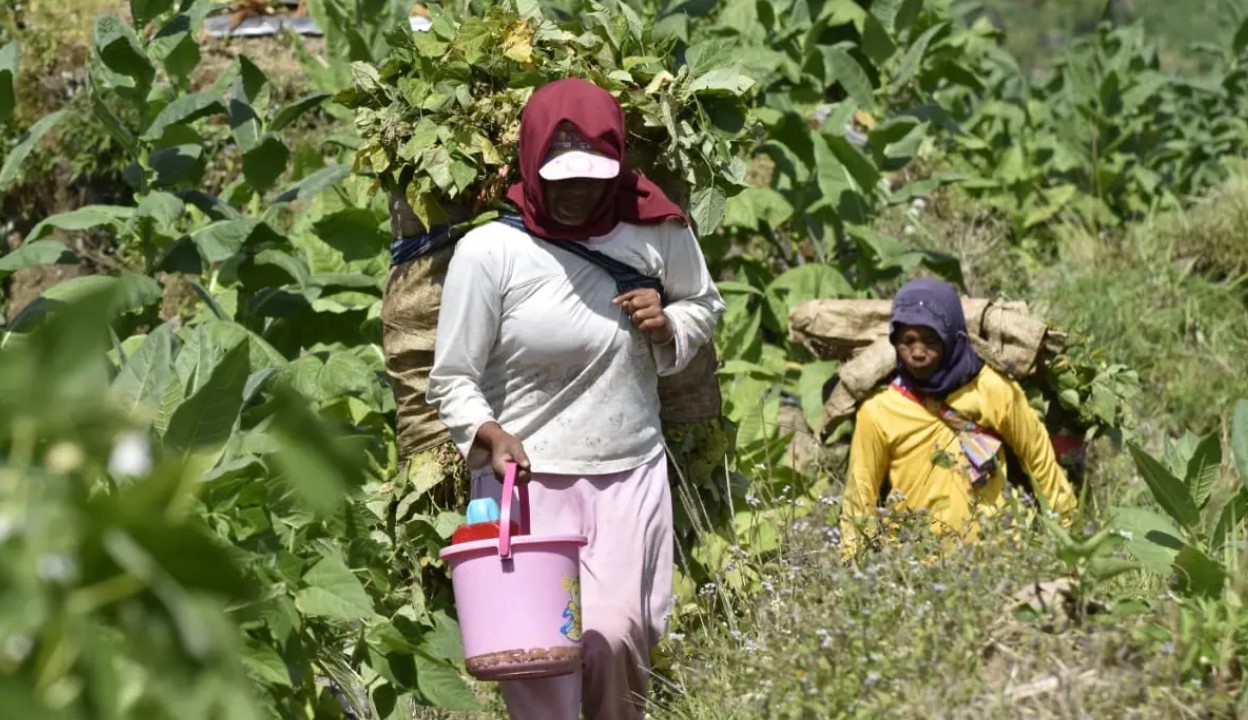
{"x":915,"y":631}
{"x":1142,"y":301}
{"x":1211,"y":238}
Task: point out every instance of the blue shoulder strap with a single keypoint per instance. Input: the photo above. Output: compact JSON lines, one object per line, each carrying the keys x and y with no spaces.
{"x":404,"y":249}
{"x":626,"y":276}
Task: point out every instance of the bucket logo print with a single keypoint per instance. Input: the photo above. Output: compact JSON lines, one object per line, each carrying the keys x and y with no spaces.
{"x":571,"y":628}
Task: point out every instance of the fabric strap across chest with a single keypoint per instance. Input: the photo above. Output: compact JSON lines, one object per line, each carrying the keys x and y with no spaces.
{"x":980,"y":445}
{"x":626,"y":277}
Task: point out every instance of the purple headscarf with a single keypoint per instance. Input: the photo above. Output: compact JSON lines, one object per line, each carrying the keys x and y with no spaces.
{"x":936,"y":305}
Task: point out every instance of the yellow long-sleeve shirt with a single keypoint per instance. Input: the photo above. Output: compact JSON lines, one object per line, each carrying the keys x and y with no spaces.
{"x":898,"y":438}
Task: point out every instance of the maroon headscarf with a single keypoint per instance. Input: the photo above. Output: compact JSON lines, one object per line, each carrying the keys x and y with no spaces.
{"x":598,"y":117}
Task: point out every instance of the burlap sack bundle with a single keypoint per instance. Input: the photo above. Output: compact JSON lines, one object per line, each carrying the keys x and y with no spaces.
{"x":856,"y":332}
{"x":409,"y":327}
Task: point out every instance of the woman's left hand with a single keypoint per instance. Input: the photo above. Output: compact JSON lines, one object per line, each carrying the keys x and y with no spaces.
{"x":645,"y":308}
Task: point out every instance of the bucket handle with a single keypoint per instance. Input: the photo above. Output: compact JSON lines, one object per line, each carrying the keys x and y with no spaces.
{"x":504,"y":521}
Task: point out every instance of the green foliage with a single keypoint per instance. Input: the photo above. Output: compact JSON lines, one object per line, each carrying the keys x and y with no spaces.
{"x":1084,"y":395}
{"x":229,"y":471}
{"x":1104,"y":136}
{"x":440,"y":117}
{"x":1183,"y":484}
{"x":1184,"y":344}
{"x":1033,"y":28}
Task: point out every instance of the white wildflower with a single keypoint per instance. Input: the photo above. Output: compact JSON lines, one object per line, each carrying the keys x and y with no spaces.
{"x":56,"y":567}
{"x":131,"y":456}
{"x":17,"y":647}
{"x":64,"y":458}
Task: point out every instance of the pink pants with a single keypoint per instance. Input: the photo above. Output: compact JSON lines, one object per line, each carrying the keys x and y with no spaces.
{"x":626,"y":587}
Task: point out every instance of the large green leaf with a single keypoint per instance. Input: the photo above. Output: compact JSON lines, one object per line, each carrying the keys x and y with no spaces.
{"x":8,"y":74}
{"x":177,"y":165}
{"x":40,"y":252}
{"x":876,"y":42}
{"x":843,"y":68}
{"x":356,"y":233}
{"x":175,"y":46}
{"x":84,"y":218}
{"x":810,"y":389}
{"x":184,"y":110}
{"x":811,"y":281}
{"x":858,"y":165}
{"x":227,"y":334}
{"x":1204,"y":468}
{"x":203,"y":423}
{"x":121,"y":51}
{"x":1198,"y":573}
{"x":199,"y":355}
{"x":1239,"y":439}
{"x":318,"y":181}
{"x":144,"y":11}
{"x":11,"y":169}
{"x":755,"y":207}
{"x":113,"y":124}
{"x":160,"y":209}
{"x":886,"y":253}
{"x":170,"y":399}
{"x":250,"y":82}
{"x":1168,"y":490}
{"x":333,"y":591}
{"x":141,"y":383}
{"x":1231,"y":521}
{"x":443,"y":686}
{"x":167,"y":577}
{"x":265,"y":663}
{"x":1153,"y":540}
{"x":264,"y":163}
{"x":222,"y":240}
{"x":444,"y":641}
{"x":341,"y":373}
{"x":1240,"y":41}
{"x":898,"y":141}
{"x":721,"y":81}
{"x":706,"y":206}
{"x":1178,"y":453}
{"x":21,"y":700}
{"x":913,"y":59}
{"x":123,"y":293}
{"x":245,"y":123}
{"x":318,"y":464}
{"x":293,"y":111}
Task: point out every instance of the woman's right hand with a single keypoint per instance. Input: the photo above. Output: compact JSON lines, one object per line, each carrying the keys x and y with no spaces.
{"x":504,"y":448}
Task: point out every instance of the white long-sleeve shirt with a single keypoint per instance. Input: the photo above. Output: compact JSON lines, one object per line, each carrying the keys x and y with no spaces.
{"x":528,"y":337}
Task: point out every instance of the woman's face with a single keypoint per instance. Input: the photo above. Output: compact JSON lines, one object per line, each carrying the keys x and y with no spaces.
{"x":920,"y":350}
{"x":573,"y":202}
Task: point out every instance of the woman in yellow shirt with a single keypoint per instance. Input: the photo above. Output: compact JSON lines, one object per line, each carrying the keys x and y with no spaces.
{"x":937,"y":431}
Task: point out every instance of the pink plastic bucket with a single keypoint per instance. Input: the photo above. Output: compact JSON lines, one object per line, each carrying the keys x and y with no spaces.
{"x":518,"y":599}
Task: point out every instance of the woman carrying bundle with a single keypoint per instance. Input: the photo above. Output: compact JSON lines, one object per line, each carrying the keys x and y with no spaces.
{"x":540,"y":361}
{"x":938,"y":431}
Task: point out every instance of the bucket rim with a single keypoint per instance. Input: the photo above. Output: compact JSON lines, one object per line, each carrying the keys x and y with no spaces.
{"x":517,"y":541}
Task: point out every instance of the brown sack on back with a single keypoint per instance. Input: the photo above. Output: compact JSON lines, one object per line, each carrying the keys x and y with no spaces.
{"x":856,"y":331}
{"x":409,"y":325}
